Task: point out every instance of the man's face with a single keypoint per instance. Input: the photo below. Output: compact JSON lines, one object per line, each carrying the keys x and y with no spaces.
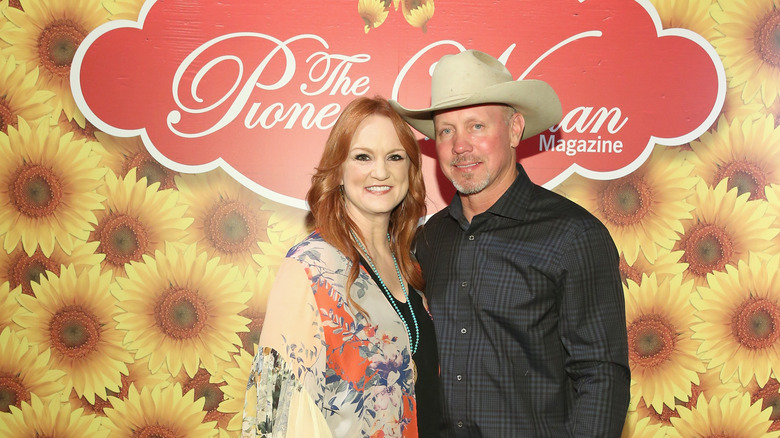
{"x":476,"y":147}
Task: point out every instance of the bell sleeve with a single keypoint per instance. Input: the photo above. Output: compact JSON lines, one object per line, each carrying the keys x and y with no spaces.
{"x":285,"y":379}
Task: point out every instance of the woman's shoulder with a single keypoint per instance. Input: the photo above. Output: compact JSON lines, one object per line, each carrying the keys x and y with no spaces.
{"x":315,"y":251}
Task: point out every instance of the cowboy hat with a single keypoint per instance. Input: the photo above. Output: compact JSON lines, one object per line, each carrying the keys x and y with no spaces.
{"x":473,"y":78}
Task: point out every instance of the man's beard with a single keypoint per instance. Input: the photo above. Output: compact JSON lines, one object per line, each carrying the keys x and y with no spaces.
{"x":469,"y":185}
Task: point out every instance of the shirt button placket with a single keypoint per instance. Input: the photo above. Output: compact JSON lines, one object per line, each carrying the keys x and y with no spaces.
{"x":468,"y":266}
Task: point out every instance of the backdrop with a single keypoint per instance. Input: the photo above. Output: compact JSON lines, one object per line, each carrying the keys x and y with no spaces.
{"x":154,"y":157}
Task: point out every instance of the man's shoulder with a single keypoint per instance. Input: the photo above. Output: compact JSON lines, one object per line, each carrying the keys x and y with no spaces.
{"x":439,"y":221}
{"x":558,"y":207}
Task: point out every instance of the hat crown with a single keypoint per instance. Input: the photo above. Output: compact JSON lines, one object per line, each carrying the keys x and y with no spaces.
{"x":458,"y":76}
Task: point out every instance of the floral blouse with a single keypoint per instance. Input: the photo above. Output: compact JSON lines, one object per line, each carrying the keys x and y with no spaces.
{"x":324,"y":368}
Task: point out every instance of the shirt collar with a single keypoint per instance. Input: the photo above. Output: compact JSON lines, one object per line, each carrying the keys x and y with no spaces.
{"x":512,"y":204}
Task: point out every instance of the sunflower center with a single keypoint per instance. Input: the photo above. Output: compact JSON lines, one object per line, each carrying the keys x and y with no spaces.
{"x":625,"y":201}
{"x":74,"y":332}
{"x":35,"y":191}
{"x":204,"y":388}
{"x":651,"y":340}
{"x":767,"y":39}
{"x":628,"y":272}
{"x":148,"y":167}
{"x":7,"y":117}
{"x":231,"y":227}
{"x":154,"y":431}
{"x":252,"y":337}
{"x":707,"y":248}
{"x":26,"y":270}
{"x":771,"y":399}
{"x":180,"y":313}
{"x":12,"y":392}
{"x":122,"y":239}
{"x":745,"y":176}
{"x":57,"y":45}
{"x":756,"y":323}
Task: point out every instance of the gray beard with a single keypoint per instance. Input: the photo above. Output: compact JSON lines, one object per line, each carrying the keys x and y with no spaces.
{"x":472,"y":186}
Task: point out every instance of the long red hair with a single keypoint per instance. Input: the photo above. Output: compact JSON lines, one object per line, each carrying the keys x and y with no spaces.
{"x":326,"y":202}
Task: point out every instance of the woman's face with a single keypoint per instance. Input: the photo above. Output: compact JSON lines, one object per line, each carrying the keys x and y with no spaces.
{"x":376,"y":173}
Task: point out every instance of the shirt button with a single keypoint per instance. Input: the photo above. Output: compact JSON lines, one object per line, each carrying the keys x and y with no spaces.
{"x":463,"y":330}
{"x":460,"y":424}
{"x":459,"y":377}
{"x":471,"y":237}
{"x":464,"y":284}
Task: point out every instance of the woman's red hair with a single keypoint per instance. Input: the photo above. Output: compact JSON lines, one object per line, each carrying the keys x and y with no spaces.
{"x":326,"y":202}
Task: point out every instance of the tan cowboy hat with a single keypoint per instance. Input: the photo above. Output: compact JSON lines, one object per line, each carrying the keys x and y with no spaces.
{"x":472,"y":78}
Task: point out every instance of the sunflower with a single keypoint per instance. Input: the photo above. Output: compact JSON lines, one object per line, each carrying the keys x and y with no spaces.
{"x":735,"y":108}
{"x":740,"y":319}
{"x":373,"y":12}
{"x":23,"y":270}
{"x":661,"y":352}
{"x":19,"y":96}
{"x":259,"y":283}
{"x":73,"y":314}
{"x":723,"y":417}
{"x":9,"y":306}
{"x":235,"y":378}
{"x":744,"y":152}
{"x":137,"y":220}
{"x":123,"y":9}
{"x":45,"y":36}
{"x":181,"y":308}
{"x":48,"y":187}
{"x":666,"y":264}
{"x":86,"y":132}
{"x":4,"y":4}
{"x":24,"y":371}
{"x":642,"y":210}
{"x":636,"y":427}
{"x":138,"y":375}
{"x":289,"y":222}
{"x":709,"y":386}
{"x":772,"y":193}
{"x":769,"y":395}
{"x":724,"y":228}
{"x":157,"y":412}
{"x":747,"y":46}
{"x":50,"y":419}
{"x":417,"y":12}
{"x":274,"y":251}
{"x":209,"y":387}
{"x":686,"y":14}
{"x":229,"y":218}
{"x":122,"y":154}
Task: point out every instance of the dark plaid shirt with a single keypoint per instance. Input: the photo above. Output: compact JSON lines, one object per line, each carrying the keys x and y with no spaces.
{"x":530,"y":319}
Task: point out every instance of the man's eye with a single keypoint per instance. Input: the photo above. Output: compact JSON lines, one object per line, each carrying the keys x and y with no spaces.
{"x":478,"y":126}
{"x":445,"y":131}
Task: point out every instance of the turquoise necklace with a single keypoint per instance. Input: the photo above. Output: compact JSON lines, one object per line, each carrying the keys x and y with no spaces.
{"x":416,"y":342}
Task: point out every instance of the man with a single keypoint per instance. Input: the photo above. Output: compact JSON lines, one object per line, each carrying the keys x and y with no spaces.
{"x":523,"y":284}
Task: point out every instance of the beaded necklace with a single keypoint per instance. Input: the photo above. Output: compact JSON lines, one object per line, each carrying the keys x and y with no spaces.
{"x":392,"y":299}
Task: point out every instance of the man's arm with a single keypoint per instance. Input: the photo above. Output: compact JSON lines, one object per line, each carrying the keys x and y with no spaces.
{"x":593,"y":331}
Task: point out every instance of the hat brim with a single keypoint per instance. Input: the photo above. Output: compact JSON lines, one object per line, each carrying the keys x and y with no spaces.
{"x":534,"y":99}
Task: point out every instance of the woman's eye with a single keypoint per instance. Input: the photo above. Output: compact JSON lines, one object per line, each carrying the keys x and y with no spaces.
{"x":395,"y":157}
{"x":362,"y":157}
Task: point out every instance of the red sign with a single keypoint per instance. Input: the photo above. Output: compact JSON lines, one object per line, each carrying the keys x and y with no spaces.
{"x":255,"y":85}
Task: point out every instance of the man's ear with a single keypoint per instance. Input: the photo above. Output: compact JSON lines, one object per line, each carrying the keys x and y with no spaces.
{"x":516,"y":126}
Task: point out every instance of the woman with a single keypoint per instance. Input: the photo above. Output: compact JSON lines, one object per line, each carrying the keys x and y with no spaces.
{"x":347,"y":348}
